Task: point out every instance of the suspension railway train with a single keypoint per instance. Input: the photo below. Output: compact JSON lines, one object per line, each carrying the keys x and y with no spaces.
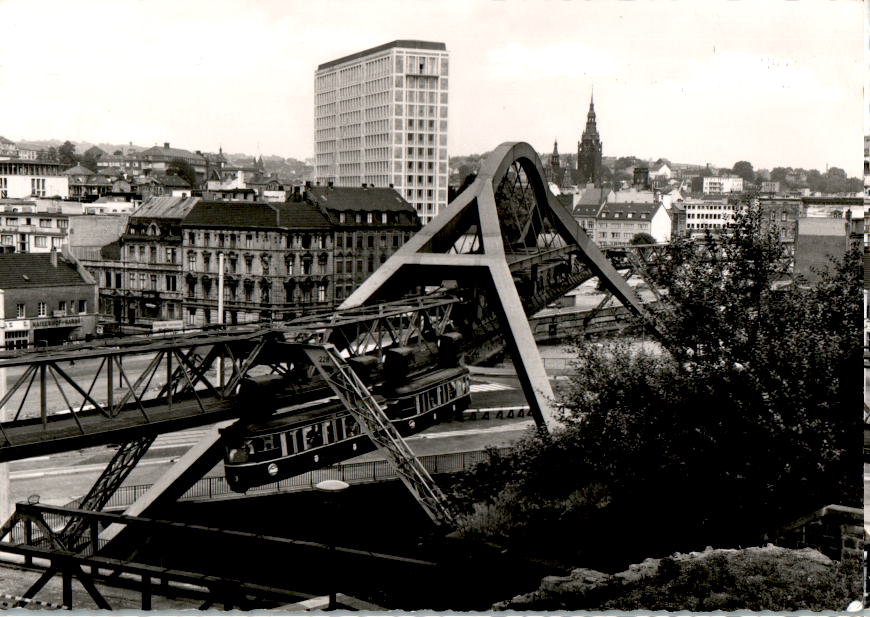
{"x":322,"y":432}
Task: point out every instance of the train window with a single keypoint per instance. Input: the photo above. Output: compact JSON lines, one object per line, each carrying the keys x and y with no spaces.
{"x":330,"y":432}
{"x":451,"y":390}
{"x":314,"y":436}
{"x":300,"y":439}
{"x":269,"y":442}
{"x":289,"y":445}
{"x":339,"y":429}
{"x":351,"y":427}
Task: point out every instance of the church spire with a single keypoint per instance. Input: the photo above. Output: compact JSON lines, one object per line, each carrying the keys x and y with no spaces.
{"x":554,"y":160}
{"x":589,"y":151}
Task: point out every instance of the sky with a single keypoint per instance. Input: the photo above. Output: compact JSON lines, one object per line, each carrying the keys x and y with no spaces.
{"x":774,"y":82}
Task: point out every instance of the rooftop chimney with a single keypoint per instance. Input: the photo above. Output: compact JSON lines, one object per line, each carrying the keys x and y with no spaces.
{"x":166,"y":144}
{"x":53,"y":257}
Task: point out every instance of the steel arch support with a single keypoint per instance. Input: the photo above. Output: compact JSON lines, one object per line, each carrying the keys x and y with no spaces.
{"x":523,"y":349}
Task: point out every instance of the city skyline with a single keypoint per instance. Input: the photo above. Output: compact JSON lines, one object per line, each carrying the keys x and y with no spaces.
{"x":774,"y":83}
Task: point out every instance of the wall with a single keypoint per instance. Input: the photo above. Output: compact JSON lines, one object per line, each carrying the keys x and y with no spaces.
{"x":817,"y":239}
{"x":80,"y":325}
{"x":20,"y":186}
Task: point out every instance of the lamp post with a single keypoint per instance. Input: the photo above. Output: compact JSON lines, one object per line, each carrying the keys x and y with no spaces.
{"x":332,"y":488}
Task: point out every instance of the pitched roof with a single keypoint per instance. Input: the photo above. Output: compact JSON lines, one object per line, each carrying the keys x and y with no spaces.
{"x":357,"y":198}
{"x":165,"y":207}
{"x":167,"y":152}
{"x":586,"y":210}
{"x":243,"y":214}
{"x":34,"y":270}
{"x":170,"y":180}
{"x":3,"y":140}
{"x":609,"y":209}
{"x":78,"y":170}
{"x":593,"y":197}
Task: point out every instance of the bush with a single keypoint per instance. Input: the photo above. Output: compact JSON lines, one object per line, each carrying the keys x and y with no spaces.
{"x":746,"y":422}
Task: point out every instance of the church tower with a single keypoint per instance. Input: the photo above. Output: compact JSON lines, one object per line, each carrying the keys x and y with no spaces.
{"x":589,"y":150}
{"x":554,"y":159}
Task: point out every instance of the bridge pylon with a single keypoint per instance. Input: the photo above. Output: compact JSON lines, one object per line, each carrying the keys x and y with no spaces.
{"x":502,"y":230}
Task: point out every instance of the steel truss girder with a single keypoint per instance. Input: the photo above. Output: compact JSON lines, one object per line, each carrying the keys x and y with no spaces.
{"x":368,"y":330}
{"x":106,"y":400}
{"x":371,"y":417}
{"x":108,"y":482}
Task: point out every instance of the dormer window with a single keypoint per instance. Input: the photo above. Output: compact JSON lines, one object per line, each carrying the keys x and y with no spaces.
{"x":342,"y":217}
{"x":616,"y":215}
{"x":628,"y":216}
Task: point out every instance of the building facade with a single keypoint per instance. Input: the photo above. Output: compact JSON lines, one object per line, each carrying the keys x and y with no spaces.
{"x":139,"y":276}
{"x":704,"y":215}
{"x":277,"y":261}
{"x":45,"y":299}
{"x":368,"y":225}
{"x":618,"y":223}
{"x":21,"y":178}
{"x":27,"y":226}
{"x":721,"y":184}
{"x":381,"y":118}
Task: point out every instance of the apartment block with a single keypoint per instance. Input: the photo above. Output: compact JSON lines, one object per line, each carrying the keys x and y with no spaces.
{"x":380,"y":120}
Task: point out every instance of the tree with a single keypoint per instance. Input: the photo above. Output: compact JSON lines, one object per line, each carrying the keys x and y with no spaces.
{"x":183,"y":169}
{"x":745,"y":171}
{"x":117,"y":153}
{"x":779,"y":174}
{"x":745,"y":423}
{"x":66,"y":154}
{"x":642,"y":238}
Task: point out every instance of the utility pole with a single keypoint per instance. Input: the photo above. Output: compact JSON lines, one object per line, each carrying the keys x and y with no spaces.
{"x":5,"y":483}
{"x":220,"y":316}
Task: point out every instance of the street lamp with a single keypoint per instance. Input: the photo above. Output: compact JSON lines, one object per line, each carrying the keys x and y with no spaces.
{"x":332,"y":488}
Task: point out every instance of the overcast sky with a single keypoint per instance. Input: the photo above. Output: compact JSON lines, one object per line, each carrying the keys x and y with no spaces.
{"x":772,"y":82}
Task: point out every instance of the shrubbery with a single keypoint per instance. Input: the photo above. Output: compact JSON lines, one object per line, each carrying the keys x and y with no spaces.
{"x":747,"y":421}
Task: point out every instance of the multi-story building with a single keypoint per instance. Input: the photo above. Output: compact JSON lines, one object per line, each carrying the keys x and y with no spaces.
{"x":27,"y":226}
{"x":368,"y":225}
{"x":721,"y":184}
{"x":159,"y":159}
{"x":380,"y":119}
{"x":782,"y":213}
{"x":277,"y":261}
{"x":704,"y":215}
{"x":140,"y":274}
{"x":86,"y":185}
{"x":45,"y":300}
{"x":618,"y":223}
{"x":25,"y":178}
